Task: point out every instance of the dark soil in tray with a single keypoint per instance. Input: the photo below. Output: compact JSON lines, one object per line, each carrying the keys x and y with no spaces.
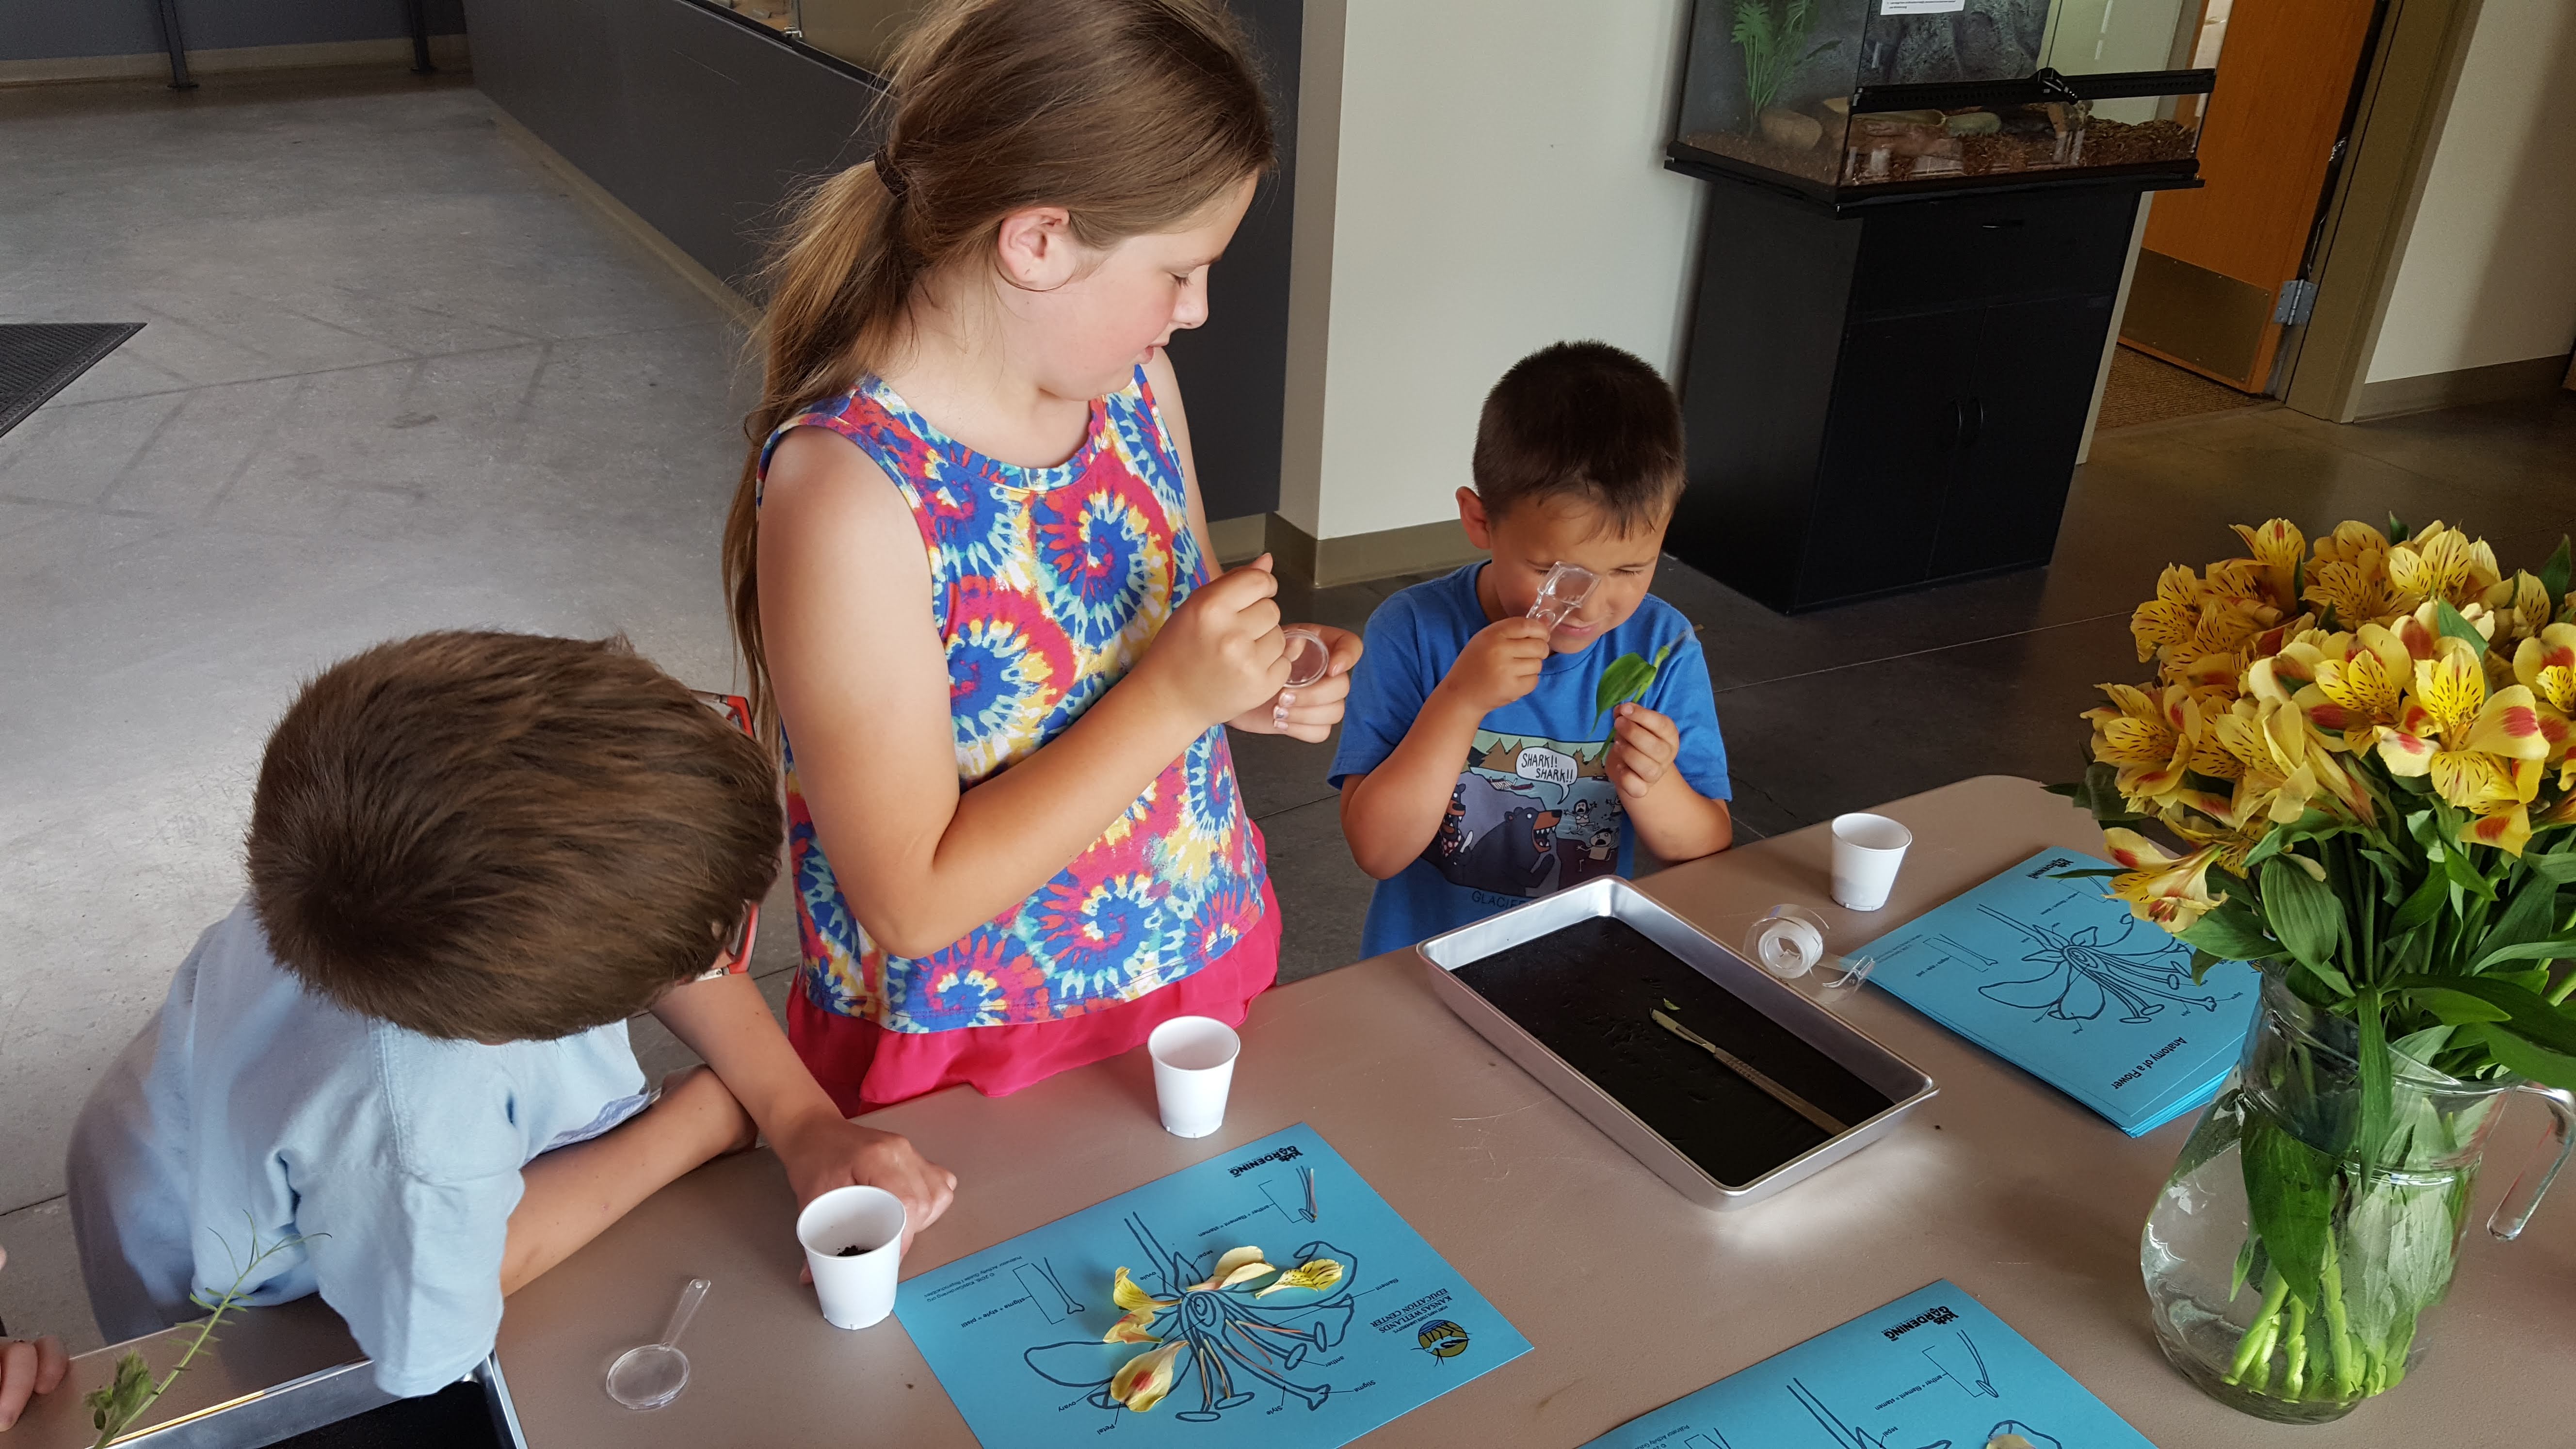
{"x":1589,"y":992}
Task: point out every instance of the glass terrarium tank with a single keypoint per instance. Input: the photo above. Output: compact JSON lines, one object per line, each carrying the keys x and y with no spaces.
{"x":1833,"y":97}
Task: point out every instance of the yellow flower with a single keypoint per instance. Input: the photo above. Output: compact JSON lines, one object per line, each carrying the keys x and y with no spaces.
{"x":1142,"y":1381}
{"x":2521,"y":606}
{"x":2148,"y":738}
{"x":2360,"y":685}
{"x":1315,"y":1273}
{"x":1242,"y":1265}
{"x":2234,"y":838}
{"x":2172,"y":617}
{"x":2507,"y":828}
{"x":2278,"y":547}
{"x":2441,"y":563}
{"x":2349,"y":575}
{"x":2546,"y":665}
{"x":2469,"y":741}
{"x":2170,"y":890}
{"x":1142,"y":1309}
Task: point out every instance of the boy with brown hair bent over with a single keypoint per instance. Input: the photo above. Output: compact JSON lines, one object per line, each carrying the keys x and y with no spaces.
{"x":472,"y":857}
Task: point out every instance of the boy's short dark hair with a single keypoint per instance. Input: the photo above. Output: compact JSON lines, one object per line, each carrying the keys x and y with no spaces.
{"x":505,"y":837}
{"x":1581,"y":419}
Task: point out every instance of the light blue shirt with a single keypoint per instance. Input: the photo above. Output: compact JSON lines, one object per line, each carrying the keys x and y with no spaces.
{"x":253,"y":1109}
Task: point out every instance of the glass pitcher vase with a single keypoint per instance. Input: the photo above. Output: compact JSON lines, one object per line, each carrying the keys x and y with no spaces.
{"x":2289,"y":1267}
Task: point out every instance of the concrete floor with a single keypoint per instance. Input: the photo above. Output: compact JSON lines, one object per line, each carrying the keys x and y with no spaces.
{"x":396,"y":378}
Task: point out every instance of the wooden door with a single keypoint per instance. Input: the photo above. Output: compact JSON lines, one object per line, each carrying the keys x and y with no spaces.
{"x":2215,"y":259}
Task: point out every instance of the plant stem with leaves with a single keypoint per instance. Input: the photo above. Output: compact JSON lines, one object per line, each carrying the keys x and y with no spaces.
{"x":1770,"y":43}
{"x":114,"y":1408}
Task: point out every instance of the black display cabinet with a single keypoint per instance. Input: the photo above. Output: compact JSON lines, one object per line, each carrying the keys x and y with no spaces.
{"x":1907,"y":278}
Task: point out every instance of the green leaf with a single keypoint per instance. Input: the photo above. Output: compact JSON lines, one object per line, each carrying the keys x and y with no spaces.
{"x":2378,"y":1075}
{"x":2232,"y":932}
{"x":2290,"y":1194}
{"x":2523,"y":1058}
{"x":2456,"y":1008}
{"x":2456,"y":866}
{"x":1628,"y":677}
{"x":2245,"y":1257}
{"x":2329,"y":976}
{"x":2303,"y":913}
{"x":2555,"y":573}
{"x":2423,"y":906}
{"x":2421,"y":1047}
{"x":2532,"y":915}
{"x":2555,"y":949}
{"x":2396,"y":529}
{"x":2099,"y":795}
{"x":2558,"y":866}
{"x":2528,"y":1013}
{"x":2456,"y":626}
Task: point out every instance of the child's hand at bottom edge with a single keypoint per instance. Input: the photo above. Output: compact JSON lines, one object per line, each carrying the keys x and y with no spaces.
{"x":828,"y":1151}
{"x":1642,"y":750}
{"x":28,"y":1367}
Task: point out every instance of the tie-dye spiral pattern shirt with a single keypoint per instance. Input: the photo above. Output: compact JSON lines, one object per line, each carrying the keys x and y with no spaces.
{"x":1047,"y":586}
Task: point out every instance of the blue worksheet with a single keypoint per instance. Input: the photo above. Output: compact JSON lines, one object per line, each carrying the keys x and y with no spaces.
{"x":1292,"y":1359}
{"x":1932,"y":1370}
{"x":2061,"y":981}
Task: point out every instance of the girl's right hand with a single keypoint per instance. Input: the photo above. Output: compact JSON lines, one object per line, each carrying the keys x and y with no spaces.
{"x":1221,"y":653}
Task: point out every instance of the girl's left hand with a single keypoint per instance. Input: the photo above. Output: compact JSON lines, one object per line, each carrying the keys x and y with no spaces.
{"x":1310,"y":713}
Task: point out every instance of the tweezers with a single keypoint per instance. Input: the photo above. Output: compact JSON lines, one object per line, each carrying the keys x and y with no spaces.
{"x":1748,"y":1072}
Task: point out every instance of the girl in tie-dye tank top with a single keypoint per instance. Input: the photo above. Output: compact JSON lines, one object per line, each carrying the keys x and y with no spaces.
{"x":970,"y":567}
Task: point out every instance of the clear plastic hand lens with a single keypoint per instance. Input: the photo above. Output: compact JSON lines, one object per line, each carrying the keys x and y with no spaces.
{"x":1308,"y":657}
{"x":652,"y":1375}
{"x":1563,"y":592}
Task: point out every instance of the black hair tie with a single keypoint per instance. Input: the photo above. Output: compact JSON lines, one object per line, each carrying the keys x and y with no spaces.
{"x":895,"y":184}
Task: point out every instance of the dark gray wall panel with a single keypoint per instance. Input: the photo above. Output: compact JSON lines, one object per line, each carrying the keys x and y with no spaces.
{"x":698,"y":121}
{"x":1234,"y":371}
{"x":702,"y":122}
{"x":61,"y":29}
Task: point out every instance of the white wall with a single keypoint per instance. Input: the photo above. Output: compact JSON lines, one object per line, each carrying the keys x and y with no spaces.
{"x":2489,"y":271}
{"x":1490,"y":181}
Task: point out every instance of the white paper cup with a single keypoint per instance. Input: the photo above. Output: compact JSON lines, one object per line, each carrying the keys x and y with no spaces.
{"x":1867,"y":851}
{"x":1193,"y":1069}
{"x":857,"y":1290}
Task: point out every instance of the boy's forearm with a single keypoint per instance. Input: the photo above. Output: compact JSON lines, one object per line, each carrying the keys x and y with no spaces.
{"x":1678,"y":823}
{"x":1390,"y":814}
{"x":573,"y":1194}
{"x":728,"y":1025}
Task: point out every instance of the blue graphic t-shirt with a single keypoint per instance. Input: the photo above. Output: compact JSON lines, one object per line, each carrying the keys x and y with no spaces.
{"x":1534,"y":810}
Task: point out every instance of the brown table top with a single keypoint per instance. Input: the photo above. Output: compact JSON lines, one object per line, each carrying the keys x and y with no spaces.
{"x":1632,"y":1296}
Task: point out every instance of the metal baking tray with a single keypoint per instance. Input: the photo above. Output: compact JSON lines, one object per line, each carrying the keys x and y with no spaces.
{"x":1904,"y":1085}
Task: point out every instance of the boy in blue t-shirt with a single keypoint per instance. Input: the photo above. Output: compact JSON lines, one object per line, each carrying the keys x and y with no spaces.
{"x":1477,"y":767}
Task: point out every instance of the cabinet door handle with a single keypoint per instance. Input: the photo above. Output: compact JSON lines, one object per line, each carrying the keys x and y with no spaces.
{"x":1972,"y":416}
{"x":1958,"y":425}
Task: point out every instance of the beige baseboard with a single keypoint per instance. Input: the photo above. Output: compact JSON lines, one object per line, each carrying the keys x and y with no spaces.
{"x":1359,"y":557}
{"x":1238,"y":540}
{"x":624,"y":218}
{"x":2501,"y":382}
{"x":448,"y":52}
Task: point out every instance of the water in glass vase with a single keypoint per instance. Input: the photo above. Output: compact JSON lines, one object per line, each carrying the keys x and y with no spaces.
{"x":2290,"y":1266}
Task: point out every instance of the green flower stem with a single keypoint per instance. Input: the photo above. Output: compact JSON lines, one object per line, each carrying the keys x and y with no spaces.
{"x":2255,"y":1348}
{"x":2347,"y":1351}
{"x":2294,"y":1335}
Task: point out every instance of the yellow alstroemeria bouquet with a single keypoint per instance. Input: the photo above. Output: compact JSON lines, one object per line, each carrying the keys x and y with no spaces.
{"x":2360,"y":750}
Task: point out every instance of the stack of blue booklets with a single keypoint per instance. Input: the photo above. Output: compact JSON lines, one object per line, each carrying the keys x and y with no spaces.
{"x":1931,"y":1369}
{"x":2058,"y":979}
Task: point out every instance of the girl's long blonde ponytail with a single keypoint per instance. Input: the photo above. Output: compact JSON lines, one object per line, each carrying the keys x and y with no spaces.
{"x":1130,"y":114}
